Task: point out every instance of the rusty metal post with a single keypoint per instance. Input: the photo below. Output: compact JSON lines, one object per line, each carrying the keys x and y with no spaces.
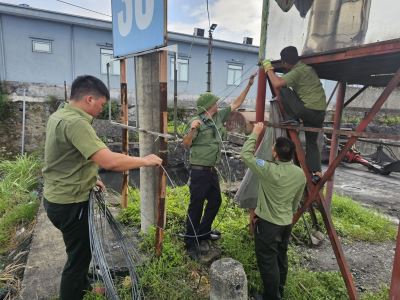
{"x":163,"y":149}
{"x":361,"y":127}
{"x":337,"y":249}
{"x":125,"y":134}
{"x":334,"y":139}
{"x":395,"y":283}
{"x":261,"y":83}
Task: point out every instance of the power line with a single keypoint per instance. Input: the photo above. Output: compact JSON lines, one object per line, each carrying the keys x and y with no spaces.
{"x":84,"y":8}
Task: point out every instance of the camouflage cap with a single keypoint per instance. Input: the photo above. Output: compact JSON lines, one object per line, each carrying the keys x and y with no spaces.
{"x":205,"y":101}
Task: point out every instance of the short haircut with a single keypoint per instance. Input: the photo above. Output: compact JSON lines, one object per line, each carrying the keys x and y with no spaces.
{"x":290,"y":55}
{"x":284,"y":148}
{"x":88,"y":85}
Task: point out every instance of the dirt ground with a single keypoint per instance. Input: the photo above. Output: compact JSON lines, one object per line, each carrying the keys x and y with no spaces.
{"x":371,"y":264}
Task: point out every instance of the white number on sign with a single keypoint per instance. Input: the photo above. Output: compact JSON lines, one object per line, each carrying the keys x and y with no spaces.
{"x":124,"y":27}
{"x":143,"y":19}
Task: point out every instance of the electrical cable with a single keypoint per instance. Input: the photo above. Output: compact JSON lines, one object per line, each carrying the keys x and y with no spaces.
{"x":84,"y":8}
{"x":97,"y":233}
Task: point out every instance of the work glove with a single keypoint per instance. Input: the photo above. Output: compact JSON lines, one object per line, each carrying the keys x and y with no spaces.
{"x":267,"y":65}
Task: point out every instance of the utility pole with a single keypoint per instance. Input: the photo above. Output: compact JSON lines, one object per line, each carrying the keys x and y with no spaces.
{"x":148,"y":97}
{"x":210,"y":31}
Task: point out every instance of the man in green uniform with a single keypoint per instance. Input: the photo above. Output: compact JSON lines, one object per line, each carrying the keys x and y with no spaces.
{"x":309,"y":105}
{"x":280,"y":189}
{"x":73,"y":153}
{"x":204,"y":139}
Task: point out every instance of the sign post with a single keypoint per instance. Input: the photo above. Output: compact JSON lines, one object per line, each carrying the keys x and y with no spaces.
{"x":140,"y":26}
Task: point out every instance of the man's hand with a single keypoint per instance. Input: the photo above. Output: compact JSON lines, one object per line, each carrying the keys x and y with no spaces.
{"x":251,"y":79}
{"x":267,"y":65}
{"x":101,"y":185}
{"x":258,"y":128}
{"x":253,"y":220}
{"x":152,"y":160}
{"x":195,"y":124}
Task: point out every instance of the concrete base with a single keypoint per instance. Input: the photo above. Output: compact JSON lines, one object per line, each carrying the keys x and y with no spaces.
{"x":45,"y":263}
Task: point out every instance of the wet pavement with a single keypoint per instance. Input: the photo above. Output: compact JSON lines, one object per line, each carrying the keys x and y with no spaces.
{"x":380,"y":191}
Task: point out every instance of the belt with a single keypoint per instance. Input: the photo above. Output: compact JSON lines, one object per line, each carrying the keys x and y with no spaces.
{"x":206,"y":168}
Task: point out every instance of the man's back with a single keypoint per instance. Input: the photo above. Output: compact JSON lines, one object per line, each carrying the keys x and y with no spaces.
{"x":70,"y":141}
{"x":306,"y":83}
{"x":281,"y":186}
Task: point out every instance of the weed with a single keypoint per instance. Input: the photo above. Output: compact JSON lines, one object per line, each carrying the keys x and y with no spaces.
{"x":353,"y":222}
{"x":174,"y":276}
{"x":5,"y":106}
{"x":18,"y":198}
{"x":115,"y":111}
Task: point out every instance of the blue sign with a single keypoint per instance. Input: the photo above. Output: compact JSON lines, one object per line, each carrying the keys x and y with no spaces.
{"x":137,"y":25}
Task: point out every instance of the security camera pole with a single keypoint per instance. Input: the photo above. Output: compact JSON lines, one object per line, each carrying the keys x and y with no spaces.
{"x":210,"y":31}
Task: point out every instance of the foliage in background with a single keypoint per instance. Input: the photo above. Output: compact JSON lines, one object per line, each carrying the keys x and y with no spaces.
{"x":180,"y":114}
{"x":18,"y":197}
{"x":115,"y":111}
{"x":174,"y":276}
{"x":389,"y":120}
{"x":5,"y":105}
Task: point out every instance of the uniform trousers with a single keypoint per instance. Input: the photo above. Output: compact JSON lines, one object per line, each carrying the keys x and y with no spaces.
{"x":72,"y":221}
{"x":204,"y":184}
{"x":271,"y":245}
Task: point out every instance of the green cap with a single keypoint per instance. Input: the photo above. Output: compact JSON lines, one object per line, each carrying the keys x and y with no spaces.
{"x":205,"y":101}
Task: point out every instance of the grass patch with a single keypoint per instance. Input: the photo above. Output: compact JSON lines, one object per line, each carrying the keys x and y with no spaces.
{"x":18,"y":199}
{"x":359,"y":223}
{"x":353,"y":222}
{"x":174,"y":276}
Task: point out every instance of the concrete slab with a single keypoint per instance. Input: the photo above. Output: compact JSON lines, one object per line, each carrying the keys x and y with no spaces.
{"x":46,"y":260}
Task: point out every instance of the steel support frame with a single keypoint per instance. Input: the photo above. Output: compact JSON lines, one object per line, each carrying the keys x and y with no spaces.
{"x":335,"y":139}
{"x":315,"y":194}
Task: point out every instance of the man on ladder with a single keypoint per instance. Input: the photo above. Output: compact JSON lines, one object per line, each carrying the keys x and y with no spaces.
{"x":308,"y":102}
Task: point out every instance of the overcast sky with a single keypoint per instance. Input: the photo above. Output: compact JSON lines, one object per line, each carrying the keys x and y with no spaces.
{"x":183,"y":15}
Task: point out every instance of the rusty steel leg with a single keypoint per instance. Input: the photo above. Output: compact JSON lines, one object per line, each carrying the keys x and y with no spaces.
{"x":395,"y":284}
{"x":337,"y":249}
{"x":125,"y":133}
{"x":334,"y":140}
{"x":361,"y":127}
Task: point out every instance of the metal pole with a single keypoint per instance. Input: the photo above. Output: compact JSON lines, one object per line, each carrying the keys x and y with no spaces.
{"x":334,"y":139}
{"x":23,"y":125}
{"x":395,"y":282}
{"x":175,"y":93}
{"x":209,"y":61}
{"x":125,"y":134}
{"x":108,"y":86}
{"x":65,"y":91}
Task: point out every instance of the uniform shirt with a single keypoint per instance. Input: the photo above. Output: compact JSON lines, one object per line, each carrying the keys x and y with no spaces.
{"x":280,"y":185}
{"x":206,"y":143}
{"x":71,"y":140}
{"x":305,"y":82}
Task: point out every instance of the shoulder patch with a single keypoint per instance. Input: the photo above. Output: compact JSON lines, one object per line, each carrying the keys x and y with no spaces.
{"x":260,"y":162}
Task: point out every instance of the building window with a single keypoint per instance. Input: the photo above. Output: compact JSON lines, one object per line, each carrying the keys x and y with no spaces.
{"x":234,"y":74}
{"x":106,"y":56}
{"x":182,"y":67}
{"x":41,"y":46}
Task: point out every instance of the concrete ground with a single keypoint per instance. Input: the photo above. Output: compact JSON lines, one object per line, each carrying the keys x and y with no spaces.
{"x":378,"y":191}
{"x":45,"y":261}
